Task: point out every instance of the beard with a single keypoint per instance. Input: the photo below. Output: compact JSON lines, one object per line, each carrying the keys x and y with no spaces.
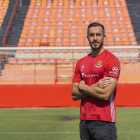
{"x":100,"y":46}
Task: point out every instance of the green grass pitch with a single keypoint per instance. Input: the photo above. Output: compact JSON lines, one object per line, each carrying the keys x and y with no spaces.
{"x":59,"y":124}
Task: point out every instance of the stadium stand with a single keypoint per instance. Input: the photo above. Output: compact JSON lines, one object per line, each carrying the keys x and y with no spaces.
{"x":51,"y":26}
{"x":64,"y":23}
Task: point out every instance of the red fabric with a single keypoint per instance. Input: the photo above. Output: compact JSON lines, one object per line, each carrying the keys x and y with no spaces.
{"x":91,"y":70}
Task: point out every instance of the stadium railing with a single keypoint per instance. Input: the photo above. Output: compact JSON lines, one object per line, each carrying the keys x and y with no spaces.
{"x":42,"y":68}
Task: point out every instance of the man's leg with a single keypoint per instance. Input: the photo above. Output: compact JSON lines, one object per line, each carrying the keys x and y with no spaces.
{"x":84,"y":132}
{"x":102,"y":130}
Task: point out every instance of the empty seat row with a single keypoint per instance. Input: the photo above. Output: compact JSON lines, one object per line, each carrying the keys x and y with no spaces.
{"x":46,"y":72}
{"x":54,"y":61}
{"x":40,"y":60}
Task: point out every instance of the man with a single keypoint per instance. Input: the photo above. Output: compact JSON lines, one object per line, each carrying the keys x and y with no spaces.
{"x":94,"y":82}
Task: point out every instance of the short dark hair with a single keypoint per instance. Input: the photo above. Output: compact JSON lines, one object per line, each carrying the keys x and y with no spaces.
{"x":94,"y":24}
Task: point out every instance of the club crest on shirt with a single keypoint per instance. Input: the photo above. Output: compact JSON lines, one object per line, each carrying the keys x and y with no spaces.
{"x":99,"y":64}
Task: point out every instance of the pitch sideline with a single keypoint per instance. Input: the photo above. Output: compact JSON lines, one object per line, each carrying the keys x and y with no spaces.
{"x":33,"y":133}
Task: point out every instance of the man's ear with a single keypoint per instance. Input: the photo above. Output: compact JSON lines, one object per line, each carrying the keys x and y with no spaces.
{"x":104,"y":35}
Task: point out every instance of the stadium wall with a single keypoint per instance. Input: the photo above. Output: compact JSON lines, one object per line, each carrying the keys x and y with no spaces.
{"x":22,"y":96}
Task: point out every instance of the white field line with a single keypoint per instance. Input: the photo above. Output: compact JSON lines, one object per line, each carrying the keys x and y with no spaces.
{"x":57,"y":108}
{"x":70,"y":113}
{"x":46,"y":113}
{"x":54,"y":113}
{"x":28,"y":113}
{"x":36,"y":133}
{"x":127,"y":112}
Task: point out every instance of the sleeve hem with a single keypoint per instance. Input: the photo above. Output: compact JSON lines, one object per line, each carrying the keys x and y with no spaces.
{"x":76,"y":81}
{"x":112,"y":77}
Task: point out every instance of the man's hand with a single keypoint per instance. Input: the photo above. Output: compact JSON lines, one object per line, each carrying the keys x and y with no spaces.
{"x":81,"y":84}
{"x":77,"y":93}
{"x":102,"y":83}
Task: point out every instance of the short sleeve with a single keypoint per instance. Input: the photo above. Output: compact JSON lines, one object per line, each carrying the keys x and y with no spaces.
{"x":77,"y":75}
{"x":112,"y":68}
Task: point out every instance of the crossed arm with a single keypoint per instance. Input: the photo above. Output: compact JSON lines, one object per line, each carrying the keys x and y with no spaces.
{"x":102,"y":90}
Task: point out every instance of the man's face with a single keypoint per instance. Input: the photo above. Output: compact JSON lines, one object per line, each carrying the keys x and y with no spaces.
{"x":95,"y":37}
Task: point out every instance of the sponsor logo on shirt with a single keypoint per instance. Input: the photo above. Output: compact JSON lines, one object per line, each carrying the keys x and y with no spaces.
{"x":114,"y":72}
{"x":90,"y":75}
{"x":99,"y":64}
{"x":115,"y":69}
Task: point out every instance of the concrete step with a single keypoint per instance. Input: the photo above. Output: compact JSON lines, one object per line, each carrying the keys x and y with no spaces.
{"x":6,"y":20}
{"x":132,"y":1}
{"x":134,"y":13}
{"x":17,"y":26}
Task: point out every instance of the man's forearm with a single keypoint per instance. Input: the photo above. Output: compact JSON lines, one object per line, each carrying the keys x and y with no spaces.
{"x":95,"y":92}
{"x":78,"y":94}
{"x":102,"y":90}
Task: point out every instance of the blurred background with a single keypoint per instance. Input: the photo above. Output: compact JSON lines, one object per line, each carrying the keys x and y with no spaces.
{"x":40,"y":44}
